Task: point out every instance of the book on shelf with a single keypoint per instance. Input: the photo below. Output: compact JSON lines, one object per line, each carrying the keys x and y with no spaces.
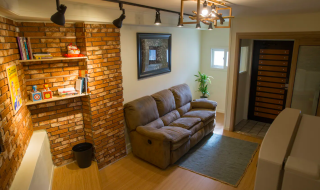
{"x":25,"y":48}
{"x":82,"y":85}
{"x":67,"y":92}
{"x":29,"y":48}
{"x":42,"y":56}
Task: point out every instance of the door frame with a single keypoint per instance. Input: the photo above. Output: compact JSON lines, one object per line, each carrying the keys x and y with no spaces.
{"x":297,"y":37}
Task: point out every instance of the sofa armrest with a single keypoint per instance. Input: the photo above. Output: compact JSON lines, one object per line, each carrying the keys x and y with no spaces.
{"x":203,"y":103}
{"x":303,"y":167}
{"x":167,"y":133}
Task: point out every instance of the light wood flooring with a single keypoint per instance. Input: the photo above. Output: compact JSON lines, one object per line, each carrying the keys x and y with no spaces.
{"x":71,"y":177}
{"x":133,"y":173}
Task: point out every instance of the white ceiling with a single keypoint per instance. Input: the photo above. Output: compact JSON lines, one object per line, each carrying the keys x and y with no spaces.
{"x":239,"y":7}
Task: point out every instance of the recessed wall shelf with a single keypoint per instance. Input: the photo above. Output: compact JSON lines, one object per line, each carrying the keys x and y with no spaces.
{"x":60,"y":76}
{"x":54,"y":98}
{"x":53,"y":59}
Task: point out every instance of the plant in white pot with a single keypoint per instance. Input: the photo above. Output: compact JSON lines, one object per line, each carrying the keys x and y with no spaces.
{"x":203,"y":80}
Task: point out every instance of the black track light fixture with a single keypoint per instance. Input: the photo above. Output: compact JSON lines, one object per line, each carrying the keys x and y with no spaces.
{"x":158,"y":19}
{"x":179,"y":23}
{"x":58,"y":17}
{"x":118,"y":22}
{"x":198,"y":26}
{"x":210,"y":26}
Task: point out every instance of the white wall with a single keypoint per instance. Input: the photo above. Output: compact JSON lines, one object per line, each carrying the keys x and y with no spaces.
{"x":185,"y":61}
{"x":216,"y":38}
{"x":36,"y":169}
{"x":271,"y":23}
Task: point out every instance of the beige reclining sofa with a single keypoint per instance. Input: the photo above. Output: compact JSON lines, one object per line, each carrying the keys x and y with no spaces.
{"x":165,"y":125}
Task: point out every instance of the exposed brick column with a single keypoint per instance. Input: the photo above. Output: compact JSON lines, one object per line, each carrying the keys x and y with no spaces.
{"x":16,"y":129}
{"x":106,"y":99}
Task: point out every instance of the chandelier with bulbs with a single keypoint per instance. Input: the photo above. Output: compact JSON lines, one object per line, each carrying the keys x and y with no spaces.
{"x":209,"y":14}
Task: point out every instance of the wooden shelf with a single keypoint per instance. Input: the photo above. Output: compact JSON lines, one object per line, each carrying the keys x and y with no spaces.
{"x":53,"y":59}
{"x":54,"y":98}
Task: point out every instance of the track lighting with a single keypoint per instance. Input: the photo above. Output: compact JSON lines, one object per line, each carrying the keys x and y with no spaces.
{"x":210,"y":26}
{"x":205,"y":9}
{"x":158,"y":20}
{"x":179,"y":24}
{"x":118,"y":22}
{"x":198,"y":26}
{"x":58,"y":17}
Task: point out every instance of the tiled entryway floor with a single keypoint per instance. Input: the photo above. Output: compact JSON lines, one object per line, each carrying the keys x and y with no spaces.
{"x":252,"y":128}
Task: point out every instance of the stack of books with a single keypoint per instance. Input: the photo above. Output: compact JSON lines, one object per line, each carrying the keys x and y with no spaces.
{"x":67,"y":92}
{"x":43,"y":56}
{"x":25,"y":48}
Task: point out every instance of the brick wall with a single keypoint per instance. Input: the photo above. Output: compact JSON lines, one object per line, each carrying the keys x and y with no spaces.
{"x":101,"y":112}
{"x":15,"y":130}
{"x":97,"y":118}
{"x":105,"y":117}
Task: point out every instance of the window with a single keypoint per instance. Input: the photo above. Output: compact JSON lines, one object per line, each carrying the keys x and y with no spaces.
{"x":244,"y":59}
{"x":219,"y":58}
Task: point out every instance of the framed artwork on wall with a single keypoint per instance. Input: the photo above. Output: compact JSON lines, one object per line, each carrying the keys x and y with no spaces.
{"x":154,"y":54}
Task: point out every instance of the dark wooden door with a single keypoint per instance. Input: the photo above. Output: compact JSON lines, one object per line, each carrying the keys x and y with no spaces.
{"x":270,"y":71}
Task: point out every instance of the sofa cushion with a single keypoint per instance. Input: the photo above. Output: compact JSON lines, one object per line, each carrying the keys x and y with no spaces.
{"x":186,"y":123}
{"x":165,"y":102}
{"x":176,"y":145}
{"x":157,"y":124}
{"x":167,"y":133}
{"x":170,"y":117}
{"x":203,"y":103}
{"x":184,"y":109}
{"x":182,"y":94}
{"x":140,"y":112}
{"x":203,"y":114}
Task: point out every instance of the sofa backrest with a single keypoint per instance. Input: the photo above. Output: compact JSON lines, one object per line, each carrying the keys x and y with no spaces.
{"x":182,"y":94}
{"x":140,"y":112}
{"x":165,"y":102}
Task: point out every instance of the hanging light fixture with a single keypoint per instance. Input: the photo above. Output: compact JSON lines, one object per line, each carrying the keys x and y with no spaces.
{"x":198,"y":26}
{"x":210,"y":26}
{"x":205,"y":9}
{"x":158,"y":20}
{"x":179,"y":23}
{"x":58,"y":17}
{"x":118,"y":22}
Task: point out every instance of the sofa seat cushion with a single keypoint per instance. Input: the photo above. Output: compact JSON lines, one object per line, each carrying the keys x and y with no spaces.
{"x":176,"y":145}
{"x":186,"y":123}
{"x":203,"y":114}
{"x":167,"y":133}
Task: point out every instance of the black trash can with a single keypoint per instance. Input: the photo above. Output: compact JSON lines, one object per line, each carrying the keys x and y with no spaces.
{"x":83,"y":153}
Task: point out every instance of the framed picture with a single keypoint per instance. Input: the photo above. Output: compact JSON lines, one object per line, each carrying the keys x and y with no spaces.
{"x":154,"y":54}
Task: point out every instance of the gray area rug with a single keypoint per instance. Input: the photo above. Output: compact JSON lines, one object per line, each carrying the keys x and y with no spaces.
{"x":219,"y":157}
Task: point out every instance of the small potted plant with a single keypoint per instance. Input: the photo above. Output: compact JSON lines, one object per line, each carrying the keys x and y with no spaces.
{"x":203,"y":80}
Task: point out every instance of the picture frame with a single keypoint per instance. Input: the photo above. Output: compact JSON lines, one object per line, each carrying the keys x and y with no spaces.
{"x":154,"y":54}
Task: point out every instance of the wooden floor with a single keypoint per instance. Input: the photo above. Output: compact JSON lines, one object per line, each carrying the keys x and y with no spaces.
{"x":133,"y":173}
{"x":71,"y":177}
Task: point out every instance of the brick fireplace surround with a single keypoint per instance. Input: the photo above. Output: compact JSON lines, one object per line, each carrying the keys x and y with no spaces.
{"x":96,"y":118}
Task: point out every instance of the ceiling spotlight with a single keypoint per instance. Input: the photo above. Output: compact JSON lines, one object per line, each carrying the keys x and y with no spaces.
{"x":58,"y":17}
{"x":205,"y":9}
{"x":213,"y":7}
{"x":179,"y":23}
{"x":118,"y":22}
{"x":158,"y":20}
{"x":198,"y":26}
{"x":210,"y":26}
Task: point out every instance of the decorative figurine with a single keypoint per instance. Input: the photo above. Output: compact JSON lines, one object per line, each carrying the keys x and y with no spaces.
{"x":35,"y":95}
{"x":46,"y":93}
